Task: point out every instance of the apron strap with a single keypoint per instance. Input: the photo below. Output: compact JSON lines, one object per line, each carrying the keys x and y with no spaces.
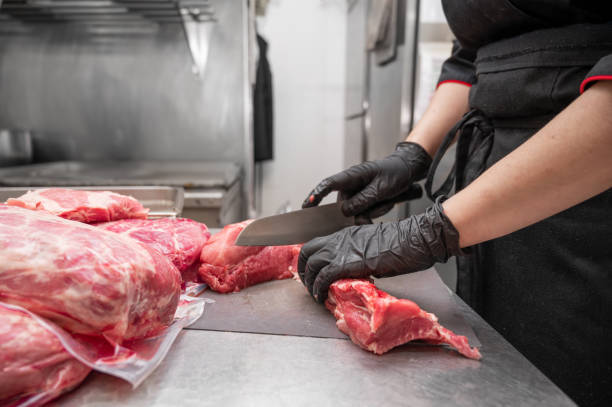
{"x":475,"y":139}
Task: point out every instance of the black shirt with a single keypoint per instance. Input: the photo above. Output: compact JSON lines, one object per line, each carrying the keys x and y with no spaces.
{"x":477,"y":23}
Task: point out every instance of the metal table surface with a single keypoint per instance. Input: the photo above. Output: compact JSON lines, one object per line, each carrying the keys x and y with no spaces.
{"x":244,"y":369}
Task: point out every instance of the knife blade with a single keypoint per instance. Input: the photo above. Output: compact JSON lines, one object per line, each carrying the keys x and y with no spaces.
{"x":295,"y":227}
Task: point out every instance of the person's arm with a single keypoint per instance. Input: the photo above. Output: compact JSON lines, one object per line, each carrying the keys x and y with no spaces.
{"x":565,"y":163}
{"x":371,"y":188}
{"x":450,"y":101}
{"x":448,"y":104}
{"x":367,"y":188}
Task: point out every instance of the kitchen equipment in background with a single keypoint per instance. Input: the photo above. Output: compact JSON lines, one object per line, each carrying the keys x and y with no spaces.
{"x":383,"y":30}
{"x":295,"y":227}
{"x":110,"y":18}
{"x":212,"y":190}
{"x":198,"y":22}
{"x":15,"y":147}
{"x":113,"y":81}
{"x":162,"y":202}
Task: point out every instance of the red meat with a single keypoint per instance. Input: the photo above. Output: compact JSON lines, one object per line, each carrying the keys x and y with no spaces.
{"x":85,"y":279}
{"x":82,"y":206}
{"x":378,"y":322}
{"x":228,"y":268}
{"x":180,"y":240}
{"x":33,"y":362}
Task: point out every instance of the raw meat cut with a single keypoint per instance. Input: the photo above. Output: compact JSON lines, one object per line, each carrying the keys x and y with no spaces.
{"x":82,"y":206}
{"x":377,"y":321}
{"x":34,"y":365}
{"x":180,"y":240}
{"x":85,"y":279}
{"x":228,"y":268}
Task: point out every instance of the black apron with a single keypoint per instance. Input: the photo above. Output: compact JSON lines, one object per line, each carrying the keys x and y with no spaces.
{"x":546,"y":288}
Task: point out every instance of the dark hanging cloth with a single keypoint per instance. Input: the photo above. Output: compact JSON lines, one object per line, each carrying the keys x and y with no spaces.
{"x":546,"y":288}
{"x":263,"y":109}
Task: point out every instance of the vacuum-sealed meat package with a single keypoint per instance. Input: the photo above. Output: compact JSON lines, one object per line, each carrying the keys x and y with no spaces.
{"x":378,"y":322}
{"x":180,"y":240}
{"x":87,"y":280}
{"x":133,"y":361}
{"x":82,"y":206}
{"x":228,"y":268}
{"x":34,"y":365}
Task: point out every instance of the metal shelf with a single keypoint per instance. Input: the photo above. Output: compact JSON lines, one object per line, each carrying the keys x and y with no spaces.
{"x":112,"y":12}
{"x":115,"y":18}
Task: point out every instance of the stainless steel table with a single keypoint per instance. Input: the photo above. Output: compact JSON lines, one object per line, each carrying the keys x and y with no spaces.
{"x":219,"y":368}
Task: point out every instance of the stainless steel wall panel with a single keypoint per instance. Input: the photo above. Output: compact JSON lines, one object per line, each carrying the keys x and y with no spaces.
{"x":130,"y":97}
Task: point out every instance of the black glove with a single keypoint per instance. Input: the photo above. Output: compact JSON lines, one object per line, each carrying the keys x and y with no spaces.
{"x":379,"y":250}
{"x":364,"y":185}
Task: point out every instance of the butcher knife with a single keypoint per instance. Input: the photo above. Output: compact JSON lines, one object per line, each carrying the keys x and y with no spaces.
{"x":295,"y":227}
{"x":301,"y":226}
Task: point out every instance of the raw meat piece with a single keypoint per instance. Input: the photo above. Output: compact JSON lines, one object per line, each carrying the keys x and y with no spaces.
{"x":377,"y":321}
{"x":180,"y":240}
{"x":85,"y":279}
{"x":33,"y":362}
{"x":82,"y":206}
{"x":228,"y":268}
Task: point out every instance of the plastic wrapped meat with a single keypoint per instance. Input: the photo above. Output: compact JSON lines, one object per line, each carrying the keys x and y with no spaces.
{"x":85,"y":279}
{"x":228,"y":268}
{"x":378,"y":322}
{"x":180,"y":240}
{"x":34,"y":366}
{"x":82,"y":206}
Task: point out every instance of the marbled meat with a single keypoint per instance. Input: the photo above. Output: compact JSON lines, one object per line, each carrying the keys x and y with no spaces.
{"x":229,"y":268}
{"x":378,"y":322}
{"x":85,"y":279}
{"x":82,"y":206}
{"x":34,"y":366}
{"x":180,"y":240}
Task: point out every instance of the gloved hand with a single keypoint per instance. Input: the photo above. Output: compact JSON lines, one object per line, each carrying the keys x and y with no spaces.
{"x":364,"y":185}
{"x":379,"y":250}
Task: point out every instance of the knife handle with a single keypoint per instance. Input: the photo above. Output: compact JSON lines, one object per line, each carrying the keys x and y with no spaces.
{"x":414,"y":192}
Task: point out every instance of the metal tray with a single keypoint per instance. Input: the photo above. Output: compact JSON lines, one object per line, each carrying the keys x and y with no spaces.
{"x":162,"y":201}
{"x":186,"y":174}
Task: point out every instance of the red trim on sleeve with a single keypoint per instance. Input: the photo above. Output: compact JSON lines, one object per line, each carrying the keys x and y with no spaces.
{"x":594,"y":79}
{"x":454,"y":81}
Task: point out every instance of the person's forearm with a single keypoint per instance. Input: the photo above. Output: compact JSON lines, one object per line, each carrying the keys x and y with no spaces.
{"x":565,"y":163}
{"x":448,"y":104}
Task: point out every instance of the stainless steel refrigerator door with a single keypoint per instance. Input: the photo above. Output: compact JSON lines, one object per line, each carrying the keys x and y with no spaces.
{"x":387,"y":89}
{"x":356,"y":103}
